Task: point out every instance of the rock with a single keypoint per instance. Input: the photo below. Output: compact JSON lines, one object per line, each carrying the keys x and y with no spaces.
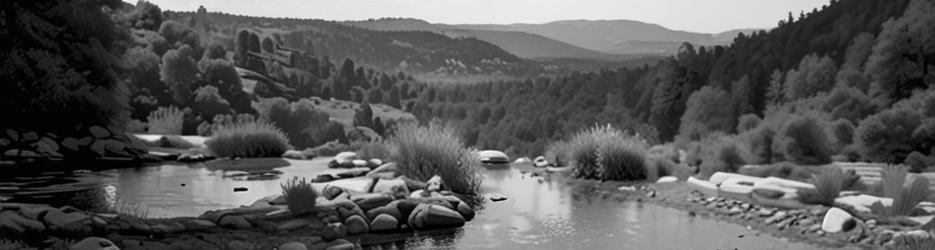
{"x":344,"y":158}
{"x":466,"y":211}
{"x":18,"y":225}
{"x":12,"y":134}
{"x":114,"y":147}
{"x":373,"y":163}
{"x":293,"y":154}
{"x":390,"y":209}
{"x":198,"y":225}
{"x":234,"y":222}
{"x":347,"y":212}
{"x":240,"y":189}
{"x":394,"y":187}
{"x":239,"y":245}
{"x":427,"y":216}
{"x":734,"y":211}
{"x":48,"y":144}
{"x":719,"y":177}
{"x":330,"y":192}
{"x":406,"y":207}
{"x":323,"y":178}
{"x":30,"y":136}
{"x":99,"y":132}
{"x":169,"y":228}
{"x":76,"y":144}
{"x":385,"y":171}
{"x":835,"y":220}
{"x":293,"y":224}
{"x":419,"y":194}
{"x":341,"y":244}
{"x":540,"y":162}
{"x":94,"y":243}
{"x":736,"y":186}
{"x":356,"y":225}
{"x":497,"y":197}
{"x":384,"y":222}
{"x":331,"y":219}
{"x":917,"y":235}
{"x":434,"y":184}
{"x":71,"y":222}
{"x":293,"y":246}
{"x":333,"y":231}
{"x":190,"y":158}
{"x":353,"y":173}
{"x":20,"y":153}
{"x":765,"y":212}
{"x":359,"y":163}
{"x":371,"y":201}
{"x":768,"y":193}
{"x":701,"y":183}
{"x":667,"y":179}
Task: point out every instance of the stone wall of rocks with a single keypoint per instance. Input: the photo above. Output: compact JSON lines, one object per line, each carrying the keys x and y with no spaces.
{"x":95,"y":142}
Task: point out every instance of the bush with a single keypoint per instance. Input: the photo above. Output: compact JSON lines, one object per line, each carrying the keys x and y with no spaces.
{"x":747,"y":122}
{"x":299,"y":194}
{"x":918,"y":162}
{"x":424,"y":151}
{"x":843,"y":131}
{"x":783,"y":170}
{"x":828,"y":186}
{"x":300,"y":121}
{"x":760,"y":143}
{"x":166,"y":121}
{"x":606,"y":153}
{"x":558,"y":153}
{"x":254,"y":139}
{"x":721,"y":153}
{"x":886,"y":136}
{"x":374,"y":150}
{"x":803,"y":140}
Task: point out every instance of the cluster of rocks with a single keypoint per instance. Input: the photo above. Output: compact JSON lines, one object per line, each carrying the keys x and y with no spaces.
{"x":95,"y":142}
{"x":772,"y":201}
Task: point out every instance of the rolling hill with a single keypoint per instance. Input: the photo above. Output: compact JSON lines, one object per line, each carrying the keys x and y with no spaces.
{"x":613,"y":36}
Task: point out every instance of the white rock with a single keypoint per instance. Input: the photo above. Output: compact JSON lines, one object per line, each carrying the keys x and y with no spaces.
{"x":522,"y":160}
{"x":862,"y":202}
{"x":735,"y":185}
{"x":359,"y":163}
{"x":667,"y":179}
{"x":719,"y":177}
{"x":345,"y":157}
{"x":834,"y":220}
{"x":540,"y":162}
{"x":95,"y":243}
{"x":702,"y":184}
{"x":789,"y":183}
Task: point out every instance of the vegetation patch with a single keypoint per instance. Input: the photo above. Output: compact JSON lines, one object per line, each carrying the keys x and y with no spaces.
{"x":436,"y":149}
{"x":253,"y":139}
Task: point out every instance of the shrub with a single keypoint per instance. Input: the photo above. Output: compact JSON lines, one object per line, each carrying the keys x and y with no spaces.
{"x":886,"y":136}
{"x":254,"y":139}
{"x":300,"y":121}
{"x":760,"y":142}
{"x":747,"y":122}
{"x":721,"y":153}
{"x":783,"y":170}
{"x":374,"y":150}
{"x":828,"y":185}
{"x":435,"y":149}
{"x":843,"y":131}
{"x":904,"y":199}
{"x":803,"y":140}
{"x":166,"y":121}
{"x":558,"y":153}
{"x":608,"y":154}
{"x":208,"y":103}
{"x":918,"y":162}
{"x":299,"y":194}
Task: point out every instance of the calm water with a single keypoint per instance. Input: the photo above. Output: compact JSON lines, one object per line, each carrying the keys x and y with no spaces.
{"x":540,"y":212}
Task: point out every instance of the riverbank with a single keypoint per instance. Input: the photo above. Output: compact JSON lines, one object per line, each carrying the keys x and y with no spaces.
{"x":797,"y":225}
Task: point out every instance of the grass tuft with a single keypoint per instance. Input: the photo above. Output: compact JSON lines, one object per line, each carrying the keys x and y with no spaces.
{"x":299,"y":194}
{"x":435,"y":149}
{"x":166,"y":121}
{"x":251,"y":139}
{"x":606,"y":153}
{"x":828,"y":186}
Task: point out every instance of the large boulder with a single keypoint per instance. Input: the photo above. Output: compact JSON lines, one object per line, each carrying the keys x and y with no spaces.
{"x":356,"y":224}
{"x":94,"y":243}
{"x":428,"y":216}
{"x":370,"y":201}
{"x":345,"y":158}
{"x":384,"y":222}
{"x":837,"y":220}
{"x":390,"y":209}
{"x":737,"y":186}
{"x":99,"y":132}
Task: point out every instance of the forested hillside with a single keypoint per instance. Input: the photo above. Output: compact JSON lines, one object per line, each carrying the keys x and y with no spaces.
{"x":415,"y":52}
{"x":849,"y":80}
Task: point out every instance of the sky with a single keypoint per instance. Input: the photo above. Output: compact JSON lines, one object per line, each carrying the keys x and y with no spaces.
{"x":708,"y":16}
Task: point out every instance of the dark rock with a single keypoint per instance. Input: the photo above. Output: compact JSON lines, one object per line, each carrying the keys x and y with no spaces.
{"x":466,"y":211}
{"x":356,"y":224}
{"x":20,"y":153}
{"x":267,"y":226}
{"x":768,"y":193}
{"x":322,"y":178}
{"x":497,"y":197}
{"x":239,"y":245}
{"x":30,"y":136}
{"x":12,"y":134}
{"x":169,"y":228}
{"x":293,"y":224}
{"x":240,"y":189}
{"x":198,"y":224}
{"x":76,"y":144}
{"x":341,"y":244}
{"x":370,"y":201}
{"x":70,"y":222}
{"x":293,"y":246}
{"x":99,"y":132}
{"x":330,"y":192}
{"x":352,"y":173}
{"x":333,"y":231}
{"x":406,"y":207}
{"x":390,"y":209}
{"x":426,"y":216}
{"x":384,"y":222}
{"x":331,"y":219}
{"x":234,"y":222}
{"x":348,"y":212}
{"x":18,"y":225}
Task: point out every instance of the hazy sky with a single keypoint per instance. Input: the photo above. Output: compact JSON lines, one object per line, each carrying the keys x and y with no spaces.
{"x":689,"y":15}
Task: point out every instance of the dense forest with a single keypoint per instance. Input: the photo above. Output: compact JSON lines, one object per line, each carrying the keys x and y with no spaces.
{"x":849,"y":80}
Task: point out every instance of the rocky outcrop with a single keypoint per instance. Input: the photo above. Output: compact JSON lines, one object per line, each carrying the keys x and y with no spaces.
{"x":92,"y":143}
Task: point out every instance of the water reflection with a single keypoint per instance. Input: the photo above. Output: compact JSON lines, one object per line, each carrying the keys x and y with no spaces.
{"x":541,"y":212}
